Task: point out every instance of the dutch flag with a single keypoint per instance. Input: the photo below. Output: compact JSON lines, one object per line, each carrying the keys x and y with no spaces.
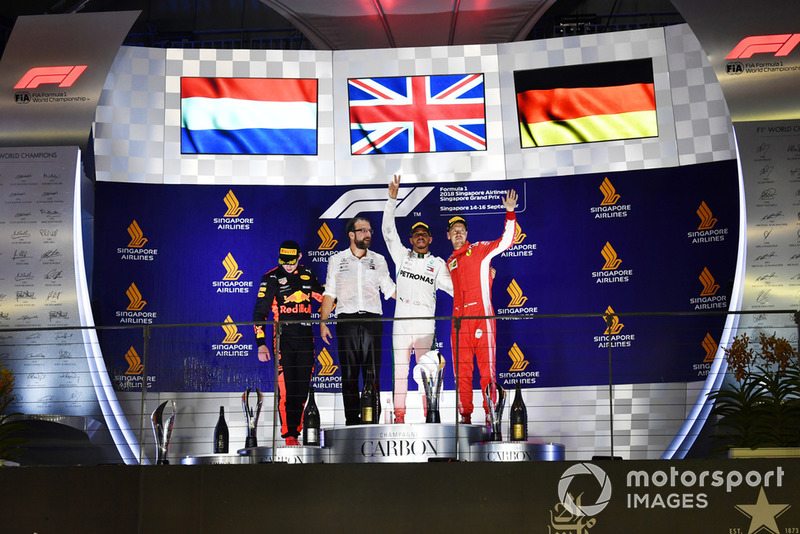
{"x":248,"y":116}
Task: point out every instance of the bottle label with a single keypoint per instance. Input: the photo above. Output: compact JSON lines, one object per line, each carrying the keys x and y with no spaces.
{"x":518,"y":432}
{"x":366,"y":414}
{"x":312,"y":436}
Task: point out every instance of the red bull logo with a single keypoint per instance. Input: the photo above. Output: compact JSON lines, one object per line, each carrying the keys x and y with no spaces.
{"x":301,"y":301}
{"x":298,"y":297}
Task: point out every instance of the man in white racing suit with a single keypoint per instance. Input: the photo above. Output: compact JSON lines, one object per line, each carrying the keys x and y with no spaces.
{"x":418,"y":275}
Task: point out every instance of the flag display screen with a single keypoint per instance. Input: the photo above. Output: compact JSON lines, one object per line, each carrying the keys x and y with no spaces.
{"x":248,"y":116}
{"x":444,"y":113}
{"x":586,"y":103}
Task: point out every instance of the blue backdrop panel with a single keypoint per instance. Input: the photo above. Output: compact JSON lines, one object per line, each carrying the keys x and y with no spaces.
{"x":650,"y":238}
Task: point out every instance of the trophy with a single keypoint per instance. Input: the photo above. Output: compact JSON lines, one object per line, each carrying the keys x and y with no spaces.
{"x":250,"y":417}
{"x":495,"y":409}
{"x":162,"y":432}
{"x":432,"y":370}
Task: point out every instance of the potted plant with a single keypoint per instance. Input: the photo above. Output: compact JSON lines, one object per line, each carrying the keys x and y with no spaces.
{"x":759,"y":408}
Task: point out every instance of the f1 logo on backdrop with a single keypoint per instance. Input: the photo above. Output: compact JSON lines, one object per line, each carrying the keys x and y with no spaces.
{"x":64,"y":76}
{"x":779,"y":45}
{"x":366,"y":200}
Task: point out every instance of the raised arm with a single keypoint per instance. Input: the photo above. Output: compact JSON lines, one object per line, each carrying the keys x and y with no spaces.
{"x":388,"y":226}
{"x":510,"y":200}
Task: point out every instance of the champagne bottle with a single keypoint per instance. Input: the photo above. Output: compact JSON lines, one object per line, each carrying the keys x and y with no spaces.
{"x":221,"y":433}
{"x":311,"y":420}
{"x":518,"y":419}
{"x":369,"y":401}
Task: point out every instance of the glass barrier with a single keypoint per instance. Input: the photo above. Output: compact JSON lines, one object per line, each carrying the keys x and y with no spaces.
{"x":610,"y":385}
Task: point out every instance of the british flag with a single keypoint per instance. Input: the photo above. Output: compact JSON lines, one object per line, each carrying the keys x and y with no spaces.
{"x":442,"y":113}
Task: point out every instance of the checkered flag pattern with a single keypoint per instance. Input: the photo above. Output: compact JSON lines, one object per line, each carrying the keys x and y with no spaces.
{"x":702,"y":123}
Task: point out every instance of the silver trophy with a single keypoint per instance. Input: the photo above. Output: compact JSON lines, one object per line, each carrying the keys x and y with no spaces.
{"x":162,"y":431}
{"x":251,"y":417}
{"x":495,"y":409}
{"x":432,"y":370}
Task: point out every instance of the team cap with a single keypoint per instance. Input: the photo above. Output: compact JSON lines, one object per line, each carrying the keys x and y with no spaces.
{"x":454,"y":220}
{"x":289,"y":253}
{"x":420,"y":224}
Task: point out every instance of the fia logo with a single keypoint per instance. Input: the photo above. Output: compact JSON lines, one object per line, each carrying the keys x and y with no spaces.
{"x":734,"y":68}
{"x":22,"y":98}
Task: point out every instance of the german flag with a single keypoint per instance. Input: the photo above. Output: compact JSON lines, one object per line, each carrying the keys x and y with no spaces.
{"x":586,"y":103}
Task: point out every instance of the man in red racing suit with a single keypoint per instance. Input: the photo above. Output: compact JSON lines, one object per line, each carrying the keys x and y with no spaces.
{"x":287,"y":290}
{"x":470,"y":267}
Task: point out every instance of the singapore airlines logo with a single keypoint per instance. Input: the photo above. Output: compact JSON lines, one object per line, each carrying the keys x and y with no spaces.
{"x":709,"y":287}
{"x":135,"y":297}
{"x":519,"y":237}
{"x":519,"y":363}
{"x":135,"y":250}
{"x":135,"y":366}
{"x":610,"y":255}
{"x":613,"y":325}
{"x":517,"y":298}
{"x":137,"y":236}
{"x":232,"y":334}
{"x":707,"y":220}
{"x":232,"y":271}
{"x":609,"y":207}
{"x":232,"y":203}
{"x":326,"y":361}
{"x":710,"y":346}
{"x":610,"y":196}
{"x":325,"y":234}
{"x":518,"y":248}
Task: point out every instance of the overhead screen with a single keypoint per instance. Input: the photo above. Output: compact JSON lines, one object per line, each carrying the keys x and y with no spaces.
{"x":586,"y":103}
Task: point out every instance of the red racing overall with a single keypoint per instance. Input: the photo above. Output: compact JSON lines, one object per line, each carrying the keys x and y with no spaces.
{"x":472,"y":296}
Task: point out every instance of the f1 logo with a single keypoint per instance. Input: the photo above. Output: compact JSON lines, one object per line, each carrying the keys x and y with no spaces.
{"x":63,"y":76}
{"x":780,"y":45}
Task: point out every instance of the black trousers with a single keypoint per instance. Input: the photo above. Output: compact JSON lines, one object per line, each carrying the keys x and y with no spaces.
{"x":359,"y":350}
{"x":295,"y":367}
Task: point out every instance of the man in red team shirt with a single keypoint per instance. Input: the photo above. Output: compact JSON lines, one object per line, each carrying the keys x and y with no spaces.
{"x":470,"y":268}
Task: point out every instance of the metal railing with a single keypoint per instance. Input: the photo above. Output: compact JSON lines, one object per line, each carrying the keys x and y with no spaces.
{"x":595,"y":391}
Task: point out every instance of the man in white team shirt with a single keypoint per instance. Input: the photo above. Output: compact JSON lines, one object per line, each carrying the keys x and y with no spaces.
{"x":356,"y":278}
{"x":418,"y":275}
